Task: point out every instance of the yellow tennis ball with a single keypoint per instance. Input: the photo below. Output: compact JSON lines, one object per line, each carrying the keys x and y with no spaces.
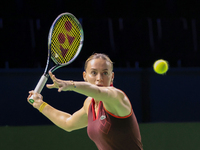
{"x":160,"y":66}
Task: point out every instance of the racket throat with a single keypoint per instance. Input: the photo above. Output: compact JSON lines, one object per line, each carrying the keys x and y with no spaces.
{"x":55,"y":67}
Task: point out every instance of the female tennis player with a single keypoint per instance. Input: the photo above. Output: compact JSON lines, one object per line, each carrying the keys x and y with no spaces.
{"x":107,"y":112}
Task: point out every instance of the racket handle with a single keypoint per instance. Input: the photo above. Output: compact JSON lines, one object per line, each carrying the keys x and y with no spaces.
{"x":39,"y":86}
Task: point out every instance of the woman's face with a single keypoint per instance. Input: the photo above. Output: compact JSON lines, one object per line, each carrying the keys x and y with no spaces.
{"x":99,"y":72}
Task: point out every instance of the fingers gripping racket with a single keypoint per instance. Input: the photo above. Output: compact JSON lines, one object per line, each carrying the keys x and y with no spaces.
{"x":65,"y":41}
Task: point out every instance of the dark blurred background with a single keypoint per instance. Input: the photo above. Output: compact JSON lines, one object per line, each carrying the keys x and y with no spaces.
{"x":130,"y":32}
{"x":133,"y":33}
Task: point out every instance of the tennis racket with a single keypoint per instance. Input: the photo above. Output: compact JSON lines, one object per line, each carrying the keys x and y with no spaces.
{"x":65,"y":41}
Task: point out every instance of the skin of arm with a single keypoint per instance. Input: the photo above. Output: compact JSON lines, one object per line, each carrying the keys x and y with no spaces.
{"x":114,"y":100}
{"x":85,"y":88}
{"x":62,"y":119}
{"x":110,"y":96}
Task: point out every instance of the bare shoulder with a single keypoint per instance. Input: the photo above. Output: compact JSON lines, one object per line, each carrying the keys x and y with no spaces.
{"x":118,"y":95}
{"x":86,"y":104}
{"x":121,"y":106}
{"x":124,"y":99}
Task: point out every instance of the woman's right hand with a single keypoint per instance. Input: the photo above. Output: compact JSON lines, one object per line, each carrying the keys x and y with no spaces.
{"x":38,"y":99}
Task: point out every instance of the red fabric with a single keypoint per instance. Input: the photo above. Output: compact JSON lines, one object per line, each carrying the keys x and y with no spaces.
{"x":110,"y":132}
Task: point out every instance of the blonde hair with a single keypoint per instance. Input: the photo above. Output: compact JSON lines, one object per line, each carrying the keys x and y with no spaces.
{"x":96,"y":56}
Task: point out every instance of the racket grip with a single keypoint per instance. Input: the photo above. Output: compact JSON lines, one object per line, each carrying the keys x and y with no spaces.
{"x":39,"y":86}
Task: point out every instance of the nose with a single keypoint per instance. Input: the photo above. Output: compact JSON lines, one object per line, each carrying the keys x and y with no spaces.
{"x":99,"y":77}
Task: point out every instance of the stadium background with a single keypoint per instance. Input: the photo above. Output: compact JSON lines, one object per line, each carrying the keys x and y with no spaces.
{"x":134,"y":34}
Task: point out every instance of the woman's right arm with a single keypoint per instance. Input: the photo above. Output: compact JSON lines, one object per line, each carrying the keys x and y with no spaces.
{"x":62,"y":119}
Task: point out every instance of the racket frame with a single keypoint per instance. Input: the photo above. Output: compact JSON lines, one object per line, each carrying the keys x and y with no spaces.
{"x":45,"y":75}
{"x":58,"y":65}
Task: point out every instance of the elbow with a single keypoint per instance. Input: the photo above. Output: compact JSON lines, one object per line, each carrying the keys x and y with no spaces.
{"x":67,"y":129}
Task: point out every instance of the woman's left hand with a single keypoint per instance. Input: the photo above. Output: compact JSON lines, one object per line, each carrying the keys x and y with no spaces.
{"x":61,"y":85}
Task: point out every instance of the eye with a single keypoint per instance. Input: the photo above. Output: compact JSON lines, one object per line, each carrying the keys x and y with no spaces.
{"x":93,"y":73}
{"x":105,"y":73}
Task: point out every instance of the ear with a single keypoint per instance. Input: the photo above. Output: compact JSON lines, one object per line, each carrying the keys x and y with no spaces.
{"x":84,"y":76}
{"x":112,"y":77}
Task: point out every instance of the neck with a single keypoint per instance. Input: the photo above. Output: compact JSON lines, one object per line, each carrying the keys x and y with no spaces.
{"x":96,"y":103}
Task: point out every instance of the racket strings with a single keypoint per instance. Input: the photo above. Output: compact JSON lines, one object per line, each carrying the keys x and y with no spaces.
{"x":66,"y":39}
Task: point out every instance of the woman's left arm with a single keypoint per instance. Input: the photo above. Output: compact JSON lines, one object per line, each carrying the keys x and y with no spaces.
{"x":114,"y":99}
{"x":106,"y":94}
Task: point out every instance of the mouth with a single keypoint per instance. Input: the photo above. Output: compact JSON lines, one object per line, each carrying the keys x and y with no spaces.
{"x":99,"y":85}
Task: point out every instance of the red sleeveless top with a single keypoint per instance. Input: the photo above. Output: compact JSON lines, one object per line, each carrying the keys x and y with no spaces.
{"x":110,"y":132}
